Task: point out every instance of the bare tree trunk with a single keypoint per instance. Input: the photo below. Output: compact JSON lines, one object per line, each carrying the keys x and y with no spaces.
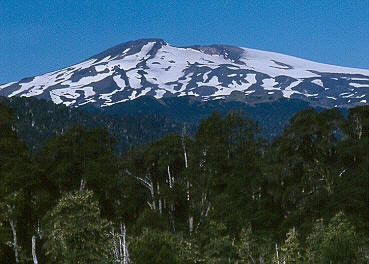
{"x":186,"y":163}
{"x":34,"y":255}
{"x":125,"y":248}
{"x":34,"y":241}
{"x":120,"y":248}
{"x":277,"y":253}
{"x":120,"y":245}
{"x":171,"y":203}
{"x":152,"y":192}
{"x":147,"y":182}
{"x":170,"y":179}
{"x":159,"y":198}
{"x":82,"y":185}
{"x":190,"y":224}
{"x":188,"y":184}
{"x":15,"y":241}
{"x":184,"y":145}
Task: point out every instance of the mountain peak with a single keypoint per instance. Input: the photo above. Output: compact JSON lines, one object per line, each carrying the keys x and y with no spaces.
{"x":134,"y":46}
{"x":151,"y":67}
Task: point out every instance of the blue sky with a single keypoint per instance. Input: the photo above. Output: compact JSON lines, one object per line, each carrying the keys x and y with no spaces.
{"x":38,"y":36}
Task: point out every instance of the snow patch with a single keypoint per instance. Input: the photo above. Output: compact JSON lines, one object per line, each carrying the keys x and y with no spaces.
{"x":318,"y":82}
{"x":251,"y":78}
{"x":6,"y":85}
{"x":159,"y":94}
{"x":287,"y":92}
{"x":269,"y":84}
{"x":359,"y":85}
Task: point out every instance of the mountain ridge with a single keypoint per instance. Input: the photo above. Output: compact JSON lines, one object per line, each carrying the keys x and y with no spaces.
{"x":152,"y":67}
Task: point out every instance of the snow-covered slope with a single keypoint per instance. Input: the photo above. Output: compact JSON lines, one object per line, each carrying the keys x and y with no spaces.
{"x":154,"y":68}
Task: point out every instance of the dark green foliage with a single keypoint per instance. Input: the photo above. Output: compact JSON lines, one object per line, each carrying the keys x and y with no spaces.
{"x":17,"y":197}
{"x":37,"y":120}
{"x":335,"y":242}
{"x":291,"y":250}
{"x":153,"y":247}
{"x":75,"y":231}
{"x":271,"y":116}
{"x":140,"y":121}
{"x":351,"y":191}
{"x":254,"y":248}
{"x":305,"y":167}
{"x":229,"y":153}
{"x":160,"y":164}
{"x":82,"y":157}
{"x":225,"y":195}
{"x":217,"y":245}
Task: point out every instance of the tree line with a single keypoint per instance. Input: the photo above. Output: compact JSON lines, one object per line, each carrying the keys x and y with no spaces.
{"x":224,"y":195}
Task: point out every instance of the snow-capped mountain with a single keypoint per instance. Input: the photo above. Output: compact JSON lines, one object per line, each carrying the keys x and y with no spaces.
{"x":154,"y":68}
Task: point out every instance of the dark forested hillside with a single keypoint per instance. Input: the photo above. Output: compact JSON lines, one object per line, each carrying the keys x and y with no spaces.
{"x":223,"y":195}
{"x":270,"y":116}
{"x":141,"y":121}
{"x":37,"y":120}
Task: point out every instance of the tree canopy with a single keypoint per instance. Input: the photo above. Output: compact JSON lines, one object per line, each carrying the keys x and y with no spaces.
{"x":224,"y":195}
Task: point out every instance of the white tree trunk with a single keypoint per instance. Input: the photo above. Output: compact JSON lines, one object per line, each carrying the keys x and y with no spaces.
{"x":125,"y":248}
{"x":82,"y":185}
{"x":188,"y":184}
{"x":170,"y":179}
{"x":152,"y":192}
{"x":15,"y":241}
{"x":147,"y":182}
{"x":185,"y":160}
{"x":34,"y":255}
{"x":277,"y":253}
{"x":159,"y":198}
{"x":120,"y":245}
{"x":184,"y":145}
{"x":171,"y":203}
{"x":190,"y":224}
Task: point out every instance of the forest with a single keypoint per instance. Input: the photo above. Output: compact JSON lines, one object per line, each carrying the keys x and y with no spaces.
{"x":223,"y":194}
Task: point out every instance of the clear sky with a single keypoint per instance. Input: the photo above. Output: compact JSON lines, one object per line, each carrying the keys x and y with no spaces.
{"x":38,"y":36}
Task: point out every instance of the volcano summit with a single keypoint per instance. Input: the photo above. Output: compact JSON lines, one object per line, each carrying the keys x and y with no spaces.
{"x":151,"y":67}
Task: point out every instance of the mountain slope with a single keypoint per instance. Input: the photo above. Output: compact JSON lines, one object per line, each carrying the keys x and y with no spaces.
{"x":144,"y":120}
{"x":37,"y":120}
{"x":154,"y":68}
